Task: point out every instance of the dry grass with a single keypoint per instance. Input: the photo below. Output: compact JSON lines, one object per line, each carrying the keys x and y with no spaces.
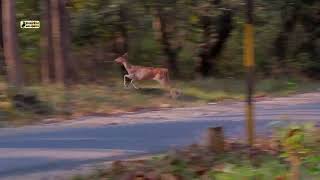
{"x":113,"y":98}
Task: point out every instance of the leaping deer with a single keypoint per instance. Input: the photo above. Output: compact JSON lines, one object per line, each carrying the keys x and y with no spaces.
{"x":160,"y":75}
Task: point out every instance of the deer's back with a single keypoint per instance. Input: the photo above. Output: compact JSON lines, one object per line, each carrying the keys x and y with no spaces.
{"x":144,"y":73}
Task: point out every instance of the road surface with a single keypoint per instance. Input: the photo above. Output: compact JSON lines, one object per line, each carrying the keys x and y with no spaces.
{"x":52,"y":151}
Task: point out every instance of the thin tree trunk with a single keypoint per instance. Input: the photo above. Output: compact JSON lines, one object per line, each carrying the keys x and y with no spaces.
{"x":59,"y":58}
{"x":170,"y":51}
{"x":2,"y":64}
{"x":120,"y":39}
{"x":13,"y":62}
{"x":289,"y":21}
{"x":124,"y":34}
{"x":47,"y":65}
{"x":204,"y":65}
{"x":66,"y":41}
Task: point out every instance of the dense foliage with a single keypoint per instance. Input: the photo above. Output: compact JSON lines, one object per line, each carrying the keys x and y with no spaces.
{"x":190,"y":37}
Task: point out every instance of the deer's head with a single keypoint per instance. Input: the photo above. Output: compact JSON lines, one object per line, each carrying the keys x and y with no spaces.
{"x":122,"y":59}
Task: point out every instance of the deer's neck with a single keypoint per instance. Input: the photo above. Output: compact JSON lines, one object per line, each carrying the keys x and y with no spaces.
{"x":127,"y":66}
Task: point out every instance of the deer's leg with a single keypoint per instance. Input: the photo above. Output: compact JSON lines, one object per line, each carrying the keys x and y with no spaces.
{"x":133,"y":84}
{"x":125,"y":80}
{"x":129,"y":76}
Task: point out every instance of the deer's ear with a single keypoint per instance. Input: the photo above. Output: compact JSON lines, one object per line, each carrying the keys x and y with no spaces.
{"x":125,"y":55}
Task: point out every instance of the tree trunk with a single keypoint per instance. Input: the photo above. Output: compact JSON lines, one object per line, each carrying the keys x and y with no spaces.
{"x":170,"y":51}
{"x":57,"y":42}
{"x":123,"y":26}
{"x":47,"y":64}
{"x":289,"y":21}
{"x":66,"y":41}
{"x":12,"y":60}
{"x":120,"y":46}
{"x":210,"y":49}
{"x":204,"y":65}
{"x":2,"y":64}
{"x":123,"y":34}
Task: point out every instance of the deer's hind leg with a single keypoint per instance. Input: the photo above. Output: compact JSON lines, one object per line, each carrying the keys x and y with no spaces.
{"x":131,"y":82}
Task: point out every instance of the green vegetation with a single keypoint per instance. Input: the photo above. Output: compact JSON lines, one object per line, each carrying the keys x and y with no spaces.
{"x":286,"y":33}
{"x":267,"y":160}
{"x":200,"y":42}
{"x":112,"y":97}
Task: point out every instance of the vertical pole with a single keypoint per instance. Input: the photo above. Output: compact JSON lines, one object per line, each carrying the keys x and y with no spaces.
{"x":249,"y":65}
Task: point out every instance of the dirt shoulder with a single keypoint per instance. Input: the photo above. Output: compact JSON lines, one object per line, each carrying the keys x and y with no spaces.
{"x":189,"y":113}
{"x":212,"y":110}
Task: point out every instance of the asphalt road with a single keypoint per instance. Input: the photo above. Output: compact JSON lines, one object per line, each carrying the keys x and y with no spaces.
{"x":47,"y":151}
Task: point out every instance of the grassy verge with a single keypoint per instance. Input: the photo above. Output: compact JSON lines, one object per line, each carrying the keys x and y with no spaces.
{"x":269,"y":159}
{"x":111,"y":97}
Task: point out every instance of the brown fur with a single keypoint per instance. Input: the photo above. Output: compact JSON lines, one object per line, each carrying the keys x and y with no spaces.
{"x":160,"y":75}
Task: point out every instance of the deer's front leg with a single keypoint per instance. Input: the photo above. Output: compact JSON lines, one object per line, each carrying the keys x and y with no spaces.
{"x":125,"y":80}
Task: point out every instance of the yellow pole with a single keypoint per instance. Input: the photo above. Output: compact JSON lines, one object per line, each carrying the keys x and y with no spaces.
{"x":249,"y":65}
